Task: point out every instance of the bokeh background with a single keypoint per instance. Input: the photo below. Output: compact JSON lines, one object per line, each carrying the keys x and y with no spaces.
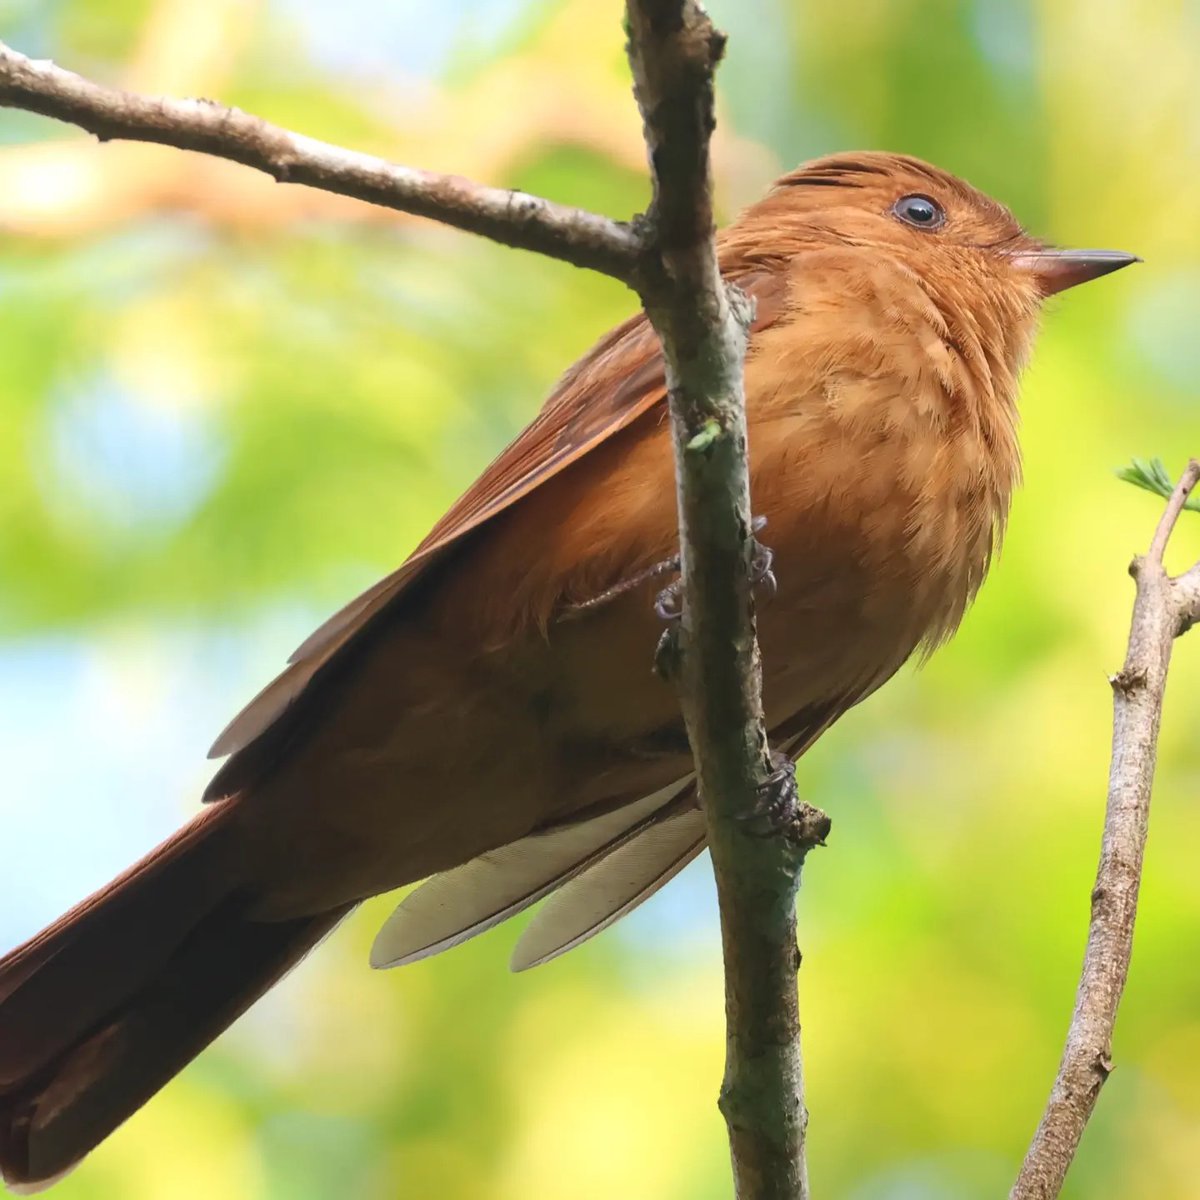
{"x":227,"y":405}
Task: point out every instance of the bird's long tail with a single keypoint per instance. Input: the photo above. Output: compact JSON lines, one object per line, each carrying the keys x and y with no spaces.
{"x":102,"y":1008}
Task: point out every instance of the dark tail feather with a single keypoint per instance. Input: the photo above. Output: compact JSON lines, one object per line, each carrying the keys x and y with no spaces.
{"x":100,"y":1010}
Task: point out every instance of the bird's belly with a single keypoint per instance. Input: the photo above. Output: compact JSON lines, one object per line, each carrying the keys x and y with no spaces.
{"x":834,"y":630}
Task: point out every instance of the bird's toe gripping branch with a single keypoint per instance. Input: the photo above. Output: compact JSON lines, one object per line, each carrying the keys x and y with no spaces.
{"x":762,"y":560}
{"x":668,"y":604}
{"x":778,"y":799}
{"x":779,"y":811}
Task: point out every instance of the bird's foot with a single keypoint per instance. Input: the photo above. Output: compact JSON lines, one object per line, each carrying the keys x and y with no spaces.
{"x":666,"y":567}
{"x":778,"y":799}
{"x":762,"y":560}
{"x":779,"y":811}
{"x":668,"y":604}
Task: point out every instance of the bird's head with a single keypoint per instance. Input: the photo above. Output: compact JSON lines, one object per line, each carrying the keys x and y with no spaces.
{"x":982,"y":272}
{"x":934,"y":222}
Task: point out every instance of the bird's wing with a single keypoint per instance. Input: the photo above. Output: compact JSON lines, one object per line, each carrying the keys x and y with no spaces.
{"x":629,"y":872}
{"x":618,"y":380}
{"x":456,"y":905}
{"x":611,"y":886}
{"x":593,"y":872}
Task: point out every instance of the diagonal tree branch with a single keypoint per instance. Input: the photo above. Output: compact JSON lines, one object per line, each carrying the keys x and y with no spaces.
{"x":512,"y":218}
{"x":1164,"y":609}
{"x":670,"y":259}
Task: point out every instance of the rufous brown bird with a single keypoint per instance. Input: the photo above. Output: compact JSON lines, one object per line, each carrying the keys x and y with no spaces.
{"x":477,"y":717}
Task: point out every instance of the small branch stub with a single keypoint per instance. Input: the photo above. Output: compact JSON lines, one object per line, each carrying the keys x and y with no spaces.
{"x":810,"y":828}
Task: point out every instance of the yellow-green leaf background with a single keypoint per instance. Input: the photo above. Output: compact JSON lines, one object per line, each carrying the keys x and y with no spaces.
{"x":225,"y":405}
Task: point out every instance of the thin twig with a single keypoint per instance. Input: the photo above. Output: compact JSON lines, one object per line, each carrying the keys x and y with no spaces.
{"x":1164,"y":609}
{"x":512,"y":218}
{"x":713,"y":653}
{"x":1166,"y":524}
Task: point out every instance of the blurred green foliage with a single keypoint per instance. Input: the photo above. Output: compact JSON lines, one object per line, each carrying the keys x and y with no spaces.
{"x":218,"y":424}
{"x":1152,"y":477}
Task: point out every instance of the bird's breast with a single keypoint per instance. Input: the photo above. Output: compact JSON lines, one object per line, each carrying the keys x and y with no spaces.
{"x":883,"y":500}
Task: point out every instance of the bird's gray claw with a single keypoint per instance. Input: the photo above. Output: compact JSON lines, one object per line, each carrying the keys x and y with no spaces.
{"x":778,"y":799}
{"x":762,"y":559}
{"x":668,"y":604}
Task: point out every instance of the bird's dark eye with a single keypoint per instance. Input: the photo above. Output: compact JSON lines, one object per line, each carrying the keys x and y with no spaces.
{"x":920,"y":212}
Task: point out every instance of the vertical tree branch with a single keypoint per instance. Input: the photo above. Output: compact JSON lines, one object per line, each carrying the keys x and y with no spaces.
{"x":1163,"y":610}
{"x":713,"y":654}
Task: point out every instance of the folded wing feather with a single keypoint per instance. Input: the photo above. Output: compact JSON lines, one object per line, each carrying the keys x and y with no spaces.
{"x":458,"y":904}
{"x":610,"y":887}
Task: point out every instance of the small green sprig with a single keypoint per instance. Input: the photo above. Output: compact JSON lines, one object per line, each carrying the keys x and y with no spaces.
{"x":1152,"y":476}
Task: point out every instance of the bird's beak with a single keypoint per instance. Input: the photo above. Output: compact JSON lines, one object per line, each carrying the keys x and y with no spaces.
{"x":1057,"y":270}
